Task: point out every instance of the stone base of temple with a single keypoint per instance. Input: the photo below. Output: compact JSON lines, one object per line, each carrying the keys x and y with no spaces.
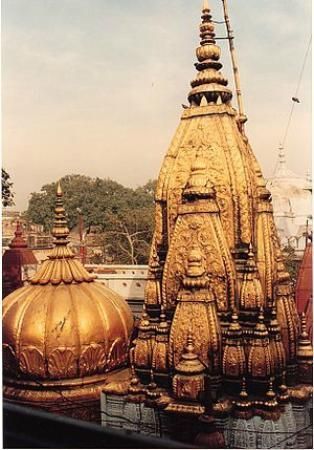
{"x":293,"y":429}
{"x":76,"y":398}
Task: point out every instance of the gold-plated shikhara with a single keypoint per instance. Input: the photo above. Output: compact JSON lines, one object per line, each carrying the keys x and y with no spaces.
{"x":215,"y":264}
{"x":62,"y":326}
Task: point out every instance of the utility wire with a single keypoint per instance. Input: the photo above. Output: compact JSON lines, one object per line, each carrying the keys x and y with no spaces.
{"x":295,"y":97}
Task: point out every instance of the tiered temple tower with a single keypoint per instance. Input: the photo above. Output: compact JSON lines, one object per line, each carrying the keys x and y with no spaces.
{"x":215,"y":249}
{"x":217,"y":286}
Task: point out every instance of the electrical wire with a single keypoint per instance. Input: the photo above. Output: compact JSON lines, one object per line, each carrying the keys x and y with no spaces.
{"x":296,"y":92}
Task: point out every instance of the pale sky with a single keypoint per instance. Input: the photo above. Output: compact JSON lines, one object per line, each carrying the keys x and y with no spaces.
{"x":95,"y":86}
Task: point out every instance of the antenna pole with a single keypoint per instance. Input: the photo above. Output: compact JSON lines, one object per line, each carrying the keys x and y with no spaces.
{"x":242,"y":116}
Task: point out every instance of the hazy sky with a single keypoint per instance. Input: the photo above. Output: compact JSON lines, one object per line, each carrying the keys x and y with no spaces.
{"x":95,"y":86}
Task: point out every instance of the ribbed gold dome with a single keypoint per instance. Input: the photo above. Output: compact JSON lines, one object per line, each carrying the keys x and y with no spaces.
{"x":64,"y":325}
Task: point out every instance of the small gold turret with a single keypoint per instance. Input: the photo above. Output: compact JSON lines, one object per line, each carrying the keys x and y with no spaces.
{"x":152,"y":289}
{"x":135,"y":389}
{"x":243,"y":406}
{"x":304,"y":355}
{"x":233,"y":360}
{"x":251,"y":293}
{"x":259,"y":359}
{"x":160,"y":363}
{"x":271,"y":400}
{"x":287,"y":317}
{"x":188,"y":381}
{"x":276,"y":347}
{"x":144,"y":346}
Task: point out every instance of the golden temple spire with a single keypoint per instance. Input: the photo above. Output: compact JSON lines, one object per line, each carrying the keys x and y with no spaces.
{"x":60,"y":230}
{"x":209,"y":86}
{"x":188,"y":382}
{"x":61,"y":265}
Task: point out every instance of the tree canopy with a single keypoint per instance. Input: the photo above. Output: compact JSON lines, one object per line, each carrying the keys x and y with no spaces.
{"x":7,"y":193}
{"x":123,"y":215}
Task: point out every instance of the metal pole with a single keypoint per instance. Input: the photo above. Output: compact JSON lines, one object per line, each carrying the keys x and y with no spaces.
{"x":235,"y":67}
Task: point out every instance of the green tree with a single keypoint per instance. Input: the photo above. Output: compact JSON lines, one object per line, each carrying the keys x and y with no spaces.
{"x":7,"y":193}
{"x":123,"y":215}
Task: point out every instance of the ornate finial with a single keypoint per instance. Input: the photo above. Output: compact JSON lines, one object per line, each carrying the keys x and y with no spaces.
{"x":162,"y":313}
{"x":260,"y":330}
{"x":304,"y":355}
{"x":163,"y":326}
{"x":304,"y":344}
{"x":261,"y":320}
{"x":60,"y":229}
{"x":151,"y":391}
{"x":271,"y":401}
{"x":304,"y":333}
{"x":234,"y":326}
{"x":243,"y":402}
{"x":273,"y":313}
{"x":18,"y":241}
{"x":134,"y":387}
{"x":59,"y":190}
{"x":270,"y":393}
{"x":144,"y":324}
{"x":205,"y":6}
{"x":209,"y":86}
{"x":234,"y":316}
{"x":250,"y":263}
{"x":207,"y":28}
{"x":243,"y":393}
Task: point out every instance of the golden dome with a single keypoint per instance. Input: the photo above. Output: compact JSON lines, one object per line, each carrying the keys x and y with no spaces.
{"x":64,"y":325}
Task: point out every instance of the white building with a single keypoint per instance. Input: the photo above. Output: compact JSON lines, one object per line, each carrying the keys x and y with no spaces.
{"x":292,"y":202}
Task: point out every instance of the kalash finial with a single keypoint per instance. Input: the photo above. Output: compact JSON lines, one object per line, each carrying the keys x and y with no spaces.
{"x":205,"y":6}
{"x":271,"y":399}
{"x":304,"y":355}
{"x":305,"y":348}
{"x":60,"y":230}
{"x":209,"y":86}
{"x":260,"y":329}
{"x":243,"y":403}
